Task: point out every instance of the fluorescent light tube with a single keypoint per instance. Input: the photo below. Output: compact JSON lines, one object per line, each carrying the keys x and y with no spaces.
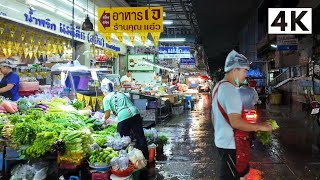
{"x":273,"y":46}
{"x":172,"y":39}
{"x":167,"y":22}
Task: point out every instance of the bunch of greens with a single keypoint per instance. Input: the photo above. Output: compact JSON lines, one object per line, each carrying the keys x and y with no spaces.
{"x":99,"y":139}
{"x":264,"y":137}
{"x":69,"y":120}
{"x":25,"y":133}
{"x":162,"y":139}
{"x":42,"y":144}
{"x":78,"y":105}
{"x":23,"y":105}
{"x":109,"y":131}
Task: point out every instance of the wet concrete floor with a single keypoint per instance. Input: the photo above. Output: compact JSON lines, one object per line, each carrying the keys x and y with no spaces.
{"x":294,"y":152}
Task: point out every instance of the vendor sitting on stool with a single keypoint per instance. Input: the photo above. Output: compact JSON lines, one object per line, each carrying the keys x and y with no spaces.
{"x":129,"y":119}
{"x":9,"y":85}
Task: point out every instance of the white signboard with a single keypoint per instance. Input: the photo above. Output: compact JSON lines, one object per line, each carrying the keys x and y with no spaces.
{"x":137,"y":62}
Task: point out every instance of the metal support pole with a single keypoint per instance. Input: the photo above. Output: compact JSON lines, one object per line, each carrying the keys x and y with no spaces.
{"x":94,"y":30}
{"x":73,"y":43}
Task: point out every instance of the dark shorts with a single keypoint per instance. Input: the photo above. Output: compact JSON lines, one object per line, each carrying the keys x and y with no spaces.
{"x":227,"y":165}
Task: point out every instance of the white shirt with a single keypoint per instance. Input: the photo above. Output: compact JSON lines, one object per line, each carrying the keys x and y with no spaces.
{"x":126,"y":78}
{"x":229,"y":98}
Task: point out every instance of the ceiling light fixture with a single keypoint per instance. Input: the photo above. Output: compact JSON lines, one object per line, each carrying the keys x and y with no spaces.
{"x":167,"y":22}
{"x":274,"y":46}
{"x":87,"y":24}
{"x":172,"y":39}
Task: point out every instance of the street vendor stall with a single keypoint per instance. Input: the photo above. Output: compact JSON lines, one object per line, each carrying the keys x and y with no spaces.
{"x":52,"y":137}
{"x":84,"y":84}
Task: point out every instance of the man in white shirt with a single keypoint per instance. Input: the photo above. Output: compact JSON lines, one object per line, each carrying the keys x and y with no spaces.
{"x":227,"y":118}
{"x":126,"y":79}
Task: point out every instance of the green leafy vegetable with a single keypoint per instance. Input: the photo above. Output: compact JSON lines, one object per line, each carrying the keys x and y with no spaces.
{"x":78,"y":105}
{"x":274,"y":124}
{"x":162,"y":140}
{"x":42,"y":144}
{"x":25,"y":133}
{"x":264,"y":137}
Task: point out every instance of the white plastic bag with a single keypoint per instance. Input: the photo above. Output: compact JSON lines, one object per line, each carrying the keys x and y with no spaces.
{"x":40,"y":175}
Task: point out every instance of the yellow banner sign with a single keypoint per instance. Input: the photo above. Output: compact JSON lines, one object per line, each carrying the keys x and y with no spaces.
{"x":130,"y":19}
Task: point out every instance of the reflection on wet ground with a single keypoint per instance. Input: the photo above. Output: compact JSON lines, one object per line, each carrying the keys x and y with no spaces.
{"x":294,"y":152}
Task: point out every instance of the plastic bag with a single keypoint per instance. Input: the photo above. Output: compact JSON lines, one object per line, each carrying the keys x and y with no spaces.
{"x":115,"y":163}
{"x":117,"y":145}
{"x":154,"y":133}
{"x":40,"y":175}
{"x":40,"y":165}
{"x":94,"y":146}
{"x":117,"y":136}
{"x":123,"y":163}
{"x":137,"y":158}
{"x":122,"y":153}
{"x":126,"y":140}
{"x":23,"y":171}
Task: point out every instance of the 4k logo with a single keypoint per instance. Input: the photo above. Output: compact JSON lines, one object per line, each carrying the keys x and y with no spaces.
{"x":290,"y":21}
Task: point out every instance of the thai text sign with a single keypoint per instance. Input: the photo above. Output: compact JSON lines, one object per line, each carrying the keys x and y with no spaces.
{"x":187,"y":63}
{"x":166,"y":52}
{"x":137,"y":62}
{"x":130,"y":19}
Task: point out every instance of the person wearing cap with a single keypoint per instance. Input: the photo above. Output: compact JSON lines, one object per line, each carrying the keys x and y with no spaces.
{"x":249,"y":96}
{"x":9,"y":85}
{"x":227,"y":109}
{"x":129,"y":119}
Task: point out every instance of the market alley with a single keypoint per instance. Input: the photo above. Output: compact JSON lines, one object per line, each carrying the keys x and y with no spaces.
{"x":292,"y":154}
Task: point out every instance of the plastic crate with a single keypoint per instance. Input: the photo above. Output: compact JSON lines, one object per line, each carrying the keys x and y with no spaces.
{"x":11,"y":153}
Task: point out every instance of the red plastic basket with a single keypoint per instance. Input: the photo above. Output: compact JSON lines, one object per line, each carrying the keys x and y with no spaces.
{"x":123,"y":173}
{"x":27,"y":93}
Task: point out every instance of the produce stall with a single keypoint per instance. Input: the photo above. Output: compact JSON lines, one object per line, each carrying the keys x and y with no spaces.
{"x":84,"y":85}
{"x":51,"y":137}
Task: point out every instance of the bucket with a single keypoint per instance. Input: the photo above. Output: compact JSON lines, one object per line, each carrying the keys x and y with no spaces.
{"x":152,"y":152}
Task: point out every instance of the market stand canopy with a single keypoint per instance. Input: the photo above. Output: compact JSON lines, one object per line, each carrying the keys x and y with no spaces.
{"x":131,"y":20}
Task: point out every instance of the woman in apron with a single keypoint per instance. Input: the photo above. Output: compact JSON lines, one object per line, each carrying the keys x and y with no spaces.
{"x":129,"y":119}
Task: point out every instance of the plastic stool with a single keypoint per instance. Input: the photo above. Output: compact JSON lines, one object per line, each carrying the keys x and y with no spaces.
{"x":188,"y":97}
{"x":189,"y":105}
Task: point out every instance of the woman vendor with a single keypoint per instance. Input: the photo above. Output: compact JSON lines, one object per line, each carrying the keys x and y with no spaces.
{"x":129,"y":119}
{"x":9,"y":85}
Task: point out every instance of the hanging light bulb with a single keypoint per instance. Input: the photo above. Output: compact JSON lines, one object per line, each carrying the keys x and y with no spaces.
{"x":87,"y":24}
